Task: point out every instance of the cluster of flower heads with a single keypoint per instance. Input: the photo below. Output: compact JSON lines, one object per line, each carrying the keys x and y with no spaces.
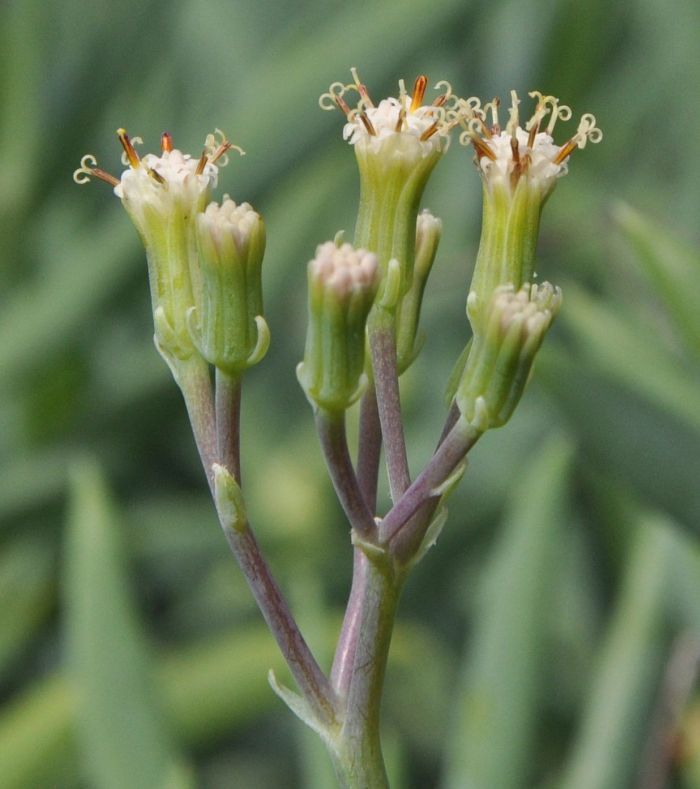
{"x":502,"y":154}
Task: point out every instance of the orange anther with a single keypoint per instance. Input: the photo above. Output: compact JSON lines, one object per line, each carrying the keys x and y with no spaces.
{"x":419,"y":87}
{"x":128,"y":147}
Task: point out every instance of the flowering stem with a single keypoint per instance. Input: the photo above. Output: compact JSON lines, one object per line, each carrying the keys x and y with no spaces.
{"x":383,"y":347}
{"x":307,"y":673}
{"x":370,"y":448}
{"x":194,"y":380}
{"x":228,"y":422}
{"x":394,"y":527}
{"x":359,"y":763}
{"x":331,"y":431}
{"x":192,"y":376}
{"x":341,"y":673}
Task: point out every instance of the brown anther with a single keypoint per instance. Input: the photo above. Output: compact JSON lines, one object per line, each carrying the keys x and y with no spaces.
{"x":566,"y":150}
{"x":203,"y":160}
{"x":531,"y":136}
{"x":428,"y":133}
{"x":221,"y":150}
{"x":342,"y":105}
{"x":419,"y":87}
{"x":367,"y":124}
{"x":401,"y":119}
{"x":517,"y":169}
{"x":440,"y":100}
{"x":128,"y":147}
{"x":166,"y":142}
{"x":485,"y":129}
{"x":482,"y":149}
{"x":104,"y":176}
{"x":156,"y":176}
{"x":514,"y":147}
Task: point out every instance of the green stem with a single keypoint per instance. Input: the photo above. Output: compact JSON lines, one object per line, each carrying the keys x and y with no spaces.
{"x":358,"y":759}
{"x":192,"y":376}
{"x":228,"y":422}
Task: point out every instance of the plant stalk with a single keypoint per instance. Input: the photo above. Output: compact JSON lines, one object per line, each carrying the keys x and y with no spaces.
{"x":386,"y":380}
{"x":331,"y":431}
{"x":358,"y":759}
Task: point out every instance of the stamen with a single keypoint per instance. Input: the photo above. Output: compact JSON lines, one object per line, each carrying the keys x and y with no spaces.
{"x":166,"y":142}
{"x":482,"y":149}
{"x":155,"y":175}
{"x":515,"y":148}
{"x":342,"y":105}
{"x":401,"y":119}
{"x":129,"y":149}
{"x":566,"y":150}
{"x":428,"y":133}
{"x":419,"y":87}
{"x":203,"y":161}
{"x":483,"y":126}
{"x":531,"y":136}
{"x":367,"y":124}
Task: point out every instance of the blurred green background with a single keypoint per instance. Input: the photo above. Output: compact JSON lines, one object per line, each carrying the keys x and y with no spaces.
{"x":551,"y":638}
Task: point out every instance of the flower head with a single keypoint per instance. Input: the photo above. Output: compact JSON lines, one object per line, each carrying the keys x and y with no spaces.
{"x":519,"y":168}
{"x":397,"y":142}
{"x":163,"y":193}
{"x":399,"y":126}
{"x":507,"y":156}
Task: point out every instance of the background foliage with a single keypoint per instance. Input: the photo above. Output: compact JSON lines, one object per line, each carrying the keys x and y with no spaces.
{"x":551,"y":637}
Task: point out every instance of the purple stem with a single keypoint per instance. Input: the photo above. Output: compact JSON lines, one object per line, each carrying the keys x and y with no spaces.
{"x":195,"y":384}
{"x":341,"y":673}
{"x":370,"y":448}
{"x":308,"y":675}
{"x":331,"y":431}
{"x":450,"y":453}
{"x":386,"y":381}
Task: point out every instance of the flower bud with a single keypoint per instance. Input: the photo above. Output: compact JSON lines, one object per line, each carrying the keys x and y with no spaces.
{"x":227,"y":324}
{"x":501,"y":355}
{"x":428,"y":232}
{"x":342,"y":285}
